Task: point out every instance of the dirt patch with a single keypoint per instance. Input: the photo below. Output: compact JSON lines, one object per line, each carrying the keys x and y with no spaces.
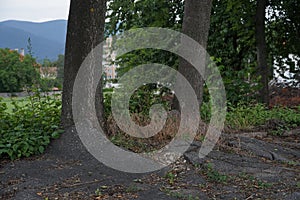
{"x":284,"y":96}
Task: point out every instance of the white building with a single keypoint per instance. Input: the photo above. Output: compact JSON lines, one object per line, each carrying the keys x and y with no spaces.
{"x":109,"y":68}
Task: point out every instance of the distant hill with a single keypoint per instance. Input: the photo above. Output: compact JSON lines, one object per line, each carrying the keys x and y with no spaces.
{"x":47,"y":38}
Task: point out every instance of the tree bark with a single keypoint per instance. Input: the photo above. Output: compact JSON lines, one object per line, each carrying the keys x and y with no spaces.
{"x":262,"y":50}
{"x":85,"y":31}
{"x":196,"y":23}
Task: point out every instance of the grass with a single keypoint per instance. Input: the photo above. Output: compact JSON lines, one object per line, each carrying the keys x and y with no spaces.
{"x":22,"y":101}
{"x":245,"y":117}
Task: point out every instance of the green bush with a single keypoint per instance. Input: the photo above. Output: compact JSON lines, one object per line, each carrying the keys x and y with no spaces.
{"x":141,"y":100}
{"x":107,"y":103}
{"x":108,"y":90}
{"x":240,"y":86}
{"x":205,"y":111}
{"x":28,"y":129}
{"x":287,"y":115}
{"x":16,"y":73}
{"x":46,"y":84}
{"x":245,"y":116}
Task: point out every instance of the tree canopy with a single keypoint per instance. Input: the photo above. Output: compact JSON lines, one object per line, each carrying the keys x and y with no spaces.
{"x":231,"y":40}
{"x":17,"y":72}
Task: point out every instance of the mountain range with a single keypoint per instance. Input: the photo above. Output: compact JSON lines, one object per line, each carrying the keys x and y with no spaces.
{"x":47,"y":38}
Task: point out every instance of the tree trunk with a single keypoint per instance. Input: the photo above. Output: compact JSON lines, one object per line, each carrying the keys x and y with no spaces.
{"x":196,"y":23}
{"x":262,"y":50}
{"x":85,"y":31}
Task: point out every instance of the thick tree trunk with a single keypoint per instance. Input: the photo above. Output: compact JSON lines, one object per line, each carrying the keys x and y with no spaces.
{"x":196,"y":23}
{"x":85,"y":31}
{"x":262,"y":50}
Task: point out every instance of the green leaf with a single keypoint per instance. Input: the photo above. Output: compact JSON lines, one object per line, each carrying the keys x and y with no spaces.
{"x":41,"y":149}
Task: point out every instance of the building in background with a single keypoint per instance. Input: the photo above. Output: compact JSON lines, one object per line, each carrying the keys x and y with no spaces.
{"x":109,"y":68}
{"x":48,"y":72}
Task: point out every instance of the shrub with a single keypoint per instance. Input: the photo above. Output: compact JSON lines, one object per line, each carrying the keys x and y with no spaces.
{"x":47,"y":84}
{"x":28,"y":129}
{"x":245,"y":116}
{"x":16,"y":72}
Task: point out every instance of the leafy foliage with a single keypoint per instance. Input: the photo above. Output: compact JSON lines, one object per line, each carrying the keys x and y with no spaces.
{"x":142,"y":99}
{"x":244,"y":116}
{"x":128,"y":14}
{"x":16,"y":72}
{"x":231,"y":38}
{"x":30,"y":127}
{"x":47,"y":84}
{"x":59,"y":63}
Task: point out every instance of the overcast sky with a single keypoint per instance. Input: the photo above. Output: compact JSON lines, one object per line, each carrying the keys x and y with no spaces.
{"x":34,"y":10}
